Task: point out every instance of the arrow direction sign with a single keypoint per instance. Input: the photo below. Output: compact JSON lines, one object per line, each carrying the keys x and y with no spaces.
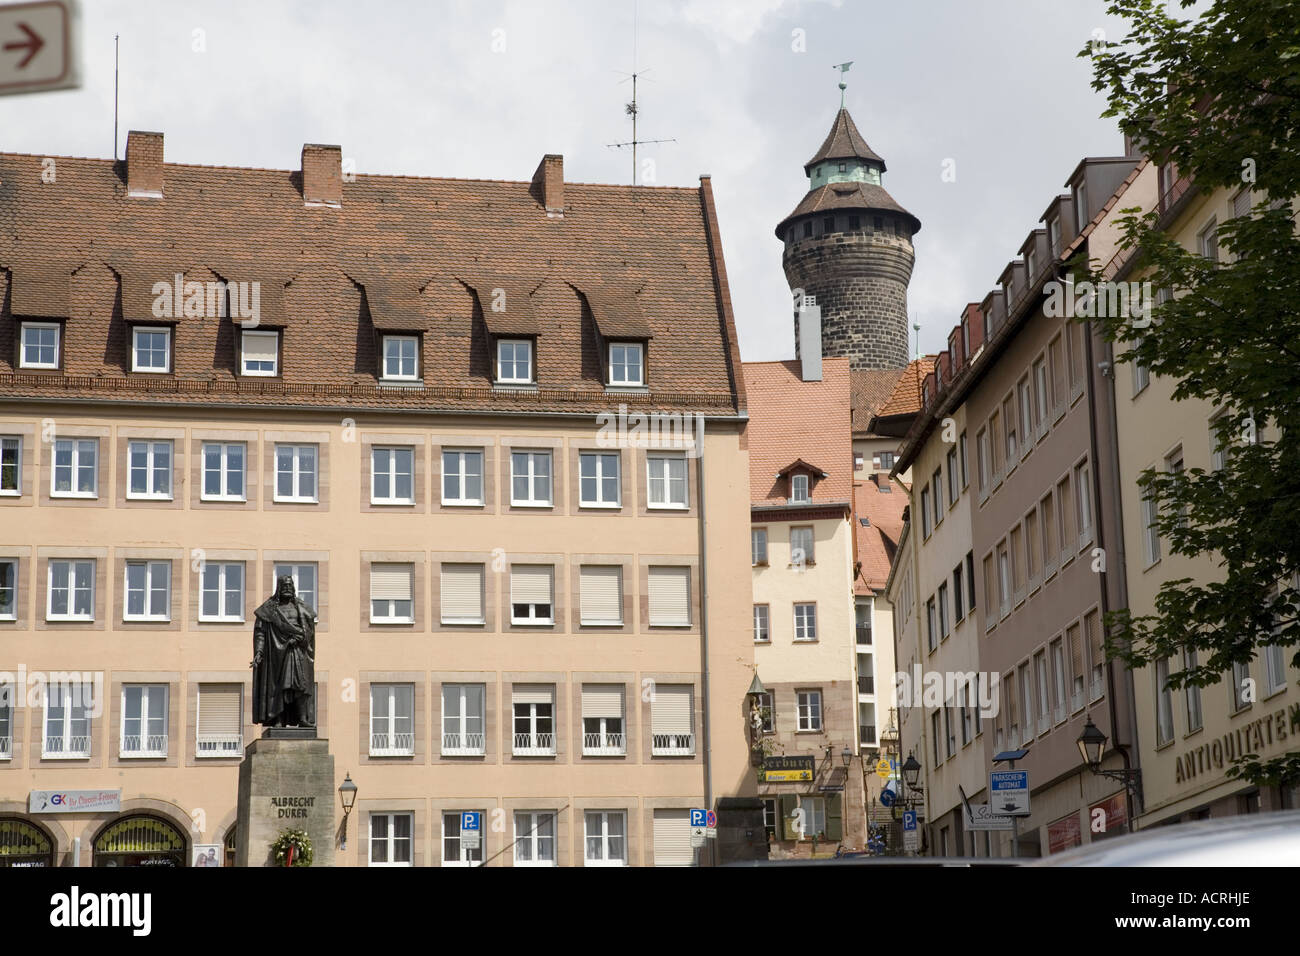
{"x":39,"y":46}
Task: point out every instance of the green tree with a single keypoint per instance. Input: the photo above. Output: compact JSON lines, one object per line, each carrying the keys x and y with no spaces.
{"x":1218,"y":96}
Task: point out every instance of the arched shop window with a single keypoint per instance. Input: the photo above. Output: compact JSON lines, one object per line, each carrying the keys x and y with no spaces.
{"x":140,"y":841}
{"x":24,"y":844}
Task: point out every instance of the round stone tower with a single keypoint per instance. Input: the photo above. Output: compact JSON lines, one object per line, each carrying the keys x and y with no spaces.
{"x":850,"y":245}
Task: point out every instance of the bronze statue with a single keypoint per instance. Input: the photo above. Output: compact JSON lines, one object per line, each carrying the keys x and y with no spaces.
{"x":284,"y":660}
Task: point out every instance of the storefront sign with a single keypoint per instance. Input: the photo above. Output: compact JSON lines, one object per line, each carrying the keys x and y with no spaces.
{"x":1254,"y":737}
{"x":290,"y":808}
{"x":788,"y":769}
{"x":74,"y":801}
{"x":1064,"y":833}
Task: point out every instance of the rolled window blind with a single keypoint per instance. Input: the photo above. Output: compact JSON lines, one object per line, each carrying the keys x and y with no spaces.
{"x":220,"y":709}
{"x":602,"y":594}
{"x":462,"y":592}
{"x":1076,"y":652}
{"x":531,"y":693}
{"x":602,"y":700}
{"x":670,"y":596}
{"x":673,"y":838}
{"x":670,"y":711}
{"x":530,"y":584}
{"x":260,"y":348}
{"x":390,"y":582}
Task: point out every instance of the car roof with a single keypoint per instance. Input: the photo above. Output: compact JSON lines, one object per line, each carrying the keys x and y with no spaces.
{"x":1257,"y":839}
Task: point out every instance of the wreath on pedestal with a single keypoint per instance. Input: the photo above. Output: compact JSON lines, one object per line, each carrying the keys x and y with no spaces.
{"x":292,"y":848}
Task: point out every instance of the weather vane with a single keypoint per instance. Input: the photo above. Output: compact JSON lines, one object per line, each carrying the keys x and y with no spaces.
{"x":843,"y":68}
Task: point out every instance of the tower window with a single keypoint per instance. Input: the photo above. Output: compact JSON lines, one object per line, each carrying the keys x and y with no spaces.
{"x":828,"y":224}
{"x":844,"y":167}
{"x":855,"y":222}
{"x":898,"y":228}
{"x":879,"y":223}
{"x":807,"y":228}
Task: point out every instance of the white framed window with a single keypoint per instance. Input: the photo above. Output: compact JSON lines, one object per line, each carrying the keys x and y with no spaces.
{"x":151,"y":348}
{"x":462,"y":477}
{"x":259,"y":353}
{"x":148,"y":591}
{"x":8,"y":589}
{"x":672,"y":720}
{"x":515,"y":361}
{"x":1208,"y":240}
{"x":454,"y":851}
{"x":626,"y":363}
{"x":1220,"y":453}
{"x":1240,"y":675}
{"x":392,"y":720}
{"x":533,"y":720}
{"x":758,"y":546}
{"x":802,"y":550}
{"x":925,"y":512}
{"x":982,"y":458}
{"x":391,"y":600}
{"x":71,"y":594}
{"x":534,"y":838}
{"x":401,"y":357}
{"x":1151,"y":534}
{"x":666,"y":481}
{"x":221,"y":595}
{"x":1164,"y":704}
{"x":669,"y":596}
{"x":601,"y":595}
{"x":1083,"y":495}
{"x":530,"y":479}
{"x":1274,"y":668}
{"x":799,"y":490}
{"x":1053,"y":236}
{"x":39,"y":345}
{"x":805,"y":622}
{"x":814,"y":809}
{"x":1004,"y":579}
{"x":144,"y":721}
{"x":223,"y":471}
{"x":1192,"y":693}
{"x":305,"y":577}
{"x":463,"y":710}
{"x":67,"y":721}
{"x":532,"y":594}
{"x":606,"y":843}
{"x":462,"y":594}
{"x":76,"y":468}
{"x":953,"y":490}
{"x":219,"y":730}
{"x":809,"y":709}
{"x":762,"y":624}
{"x":11,"y":465}
{"x":602,"y":721}
{"x":599,"y":485}
{"x":390,"y":839}
{"x":392,"y":475}
{"x":149,"y":469}
{"x":296,"y":468}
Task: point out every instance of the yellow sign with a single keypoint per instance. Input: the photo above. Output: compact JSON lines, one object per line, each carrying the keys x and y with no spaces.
{"x":786,"y":776}
{"x":884,"y":768}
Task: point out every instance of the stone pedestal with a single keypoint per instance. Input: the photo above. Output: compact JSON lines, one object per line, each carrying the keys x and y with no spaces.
{"x":285,"y":784}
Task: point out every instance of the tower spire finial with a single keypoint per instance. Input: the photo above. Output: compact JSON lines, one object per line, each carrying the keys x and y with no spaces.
{"x":843,"y":68}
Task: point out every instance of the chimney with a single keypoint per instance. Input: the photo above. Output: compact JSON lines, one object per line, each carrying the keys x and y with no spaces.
{"x":144,"y":164}
{"x":322,"y":175}
{"x":810,"y":339}
{"x":548,"y":185}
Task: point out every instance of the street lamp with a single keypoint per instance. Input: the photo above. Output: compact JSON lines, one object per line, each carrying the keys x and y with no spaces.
{"x":348,"y":797}
{"x":911,"y":771}
{"x":1092,"y":745}
{"x":846,"y":755}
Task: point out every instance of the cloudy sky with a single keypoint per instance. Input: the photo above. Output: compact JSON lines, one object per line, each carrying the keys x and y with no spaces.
{"x":746,"y":88}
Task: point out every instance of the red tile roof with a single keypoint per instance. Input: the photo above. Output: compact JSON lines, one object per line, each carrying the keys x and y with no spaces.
{"x":906,"y":396}
{"x":790,"y":419}
{"x":876,"y":542}
{"x":401,"y":253}
{"x":871,"y":389}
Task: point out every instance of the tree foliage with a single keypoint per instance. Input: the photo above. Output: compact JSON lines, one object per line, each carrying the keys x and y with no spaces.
{"x":1218,"y":97}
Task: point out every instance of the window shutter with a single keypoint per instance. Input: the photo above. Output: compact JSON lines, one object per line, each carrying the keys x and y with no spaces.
{"x":670,"y":711}
{"x":531,"y":693}
{"x":670,"y":596}
{"x":673,"y":838}
{"x":602,"y":594}
{"x":1013,"y":703}
{"x":834,"y":818}
{"x":1096,"y":653}
{"x":602,"y":700}
{"x":260,"y":348}
{"x":462,"y":592}
{"x":530,"y":584}
{"x":390,"y":582}
{"x":220,"y":710}
{"x":1076,"y":652}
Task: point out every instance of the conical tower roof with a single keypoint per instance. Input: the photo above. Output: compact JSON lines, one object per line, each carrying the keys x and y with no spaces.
{"x":843,"y":142}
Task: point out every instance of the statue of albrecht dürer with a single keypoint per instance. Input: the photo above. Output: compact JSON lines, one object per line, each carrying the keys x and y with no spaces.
{"x":284,"y":660}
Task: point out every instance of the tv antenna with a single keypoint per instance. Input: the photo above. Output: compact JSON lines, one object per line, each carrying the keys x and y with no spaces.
{"x":631,"y":108}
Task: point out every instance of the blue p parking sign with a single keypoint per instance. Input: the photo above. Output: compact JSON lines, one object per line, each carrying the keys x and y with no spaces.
{"x":699,"y":818}
{"x":470,"y":820}
{"x":909,"y":820}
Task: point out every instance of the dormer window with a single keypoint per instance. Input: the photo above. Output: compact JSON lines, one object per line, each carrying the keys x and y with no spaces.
{"x":514,"y":361}
{"x":151,"y":348}
{"x":259,"y":353}
{"x":799,"y":490}
{"x":626,"y":363}
{"x":1029,"y":264}
{"x":1081,"y":204}
{"x":39,"y":345}
{"x":1054,"y":236}
{"x":401,"y":357}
